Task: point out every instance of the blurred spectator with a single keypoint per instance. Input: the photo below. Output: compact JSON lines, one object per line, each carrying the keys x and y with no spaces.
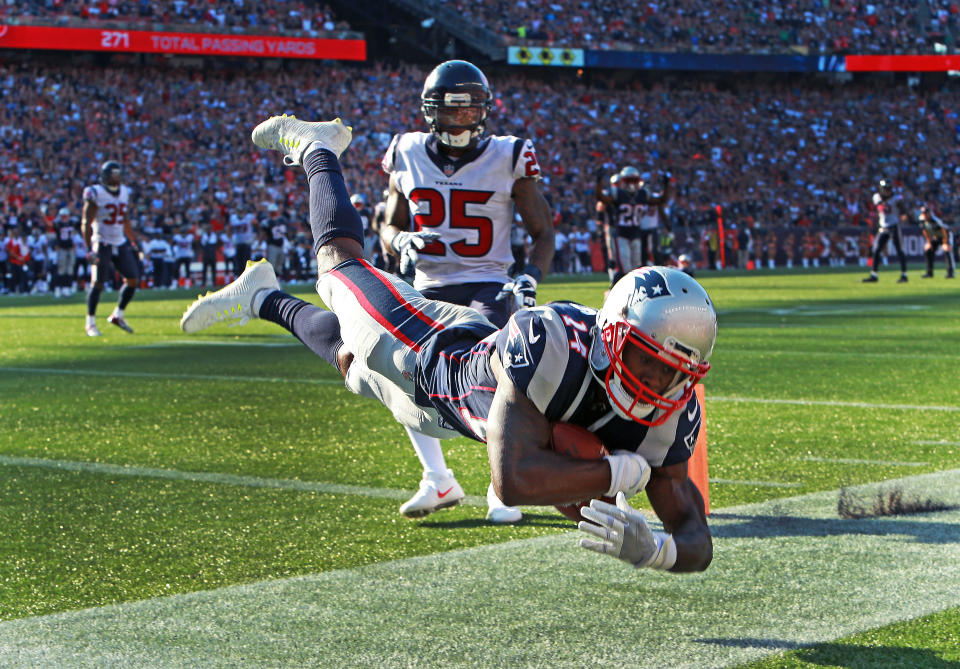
{"x":270,"y":16}
{"x":18,"y":253}
{"x":785,"y":152}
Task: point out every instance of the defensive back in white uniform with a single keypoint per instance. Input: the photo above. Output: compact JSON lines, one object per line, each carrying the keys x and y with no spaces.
{"x":464,"y":207}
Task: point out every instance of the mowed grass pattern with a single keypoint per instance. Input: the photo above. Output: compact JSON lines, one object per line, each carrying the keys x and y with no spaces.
{"x":253,"y":402}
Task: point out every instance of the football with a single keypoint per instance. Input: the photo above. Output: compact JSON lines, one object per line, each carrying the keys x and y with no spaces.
{"x":576,"y":442}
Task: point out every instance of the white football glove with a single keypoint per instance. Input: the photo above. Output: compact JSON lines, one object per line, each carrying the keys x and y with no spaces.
{"x":523,"y":289}
{"x":407,"y":244}
{"x":625,"y":535}
{"x":629,"y":473}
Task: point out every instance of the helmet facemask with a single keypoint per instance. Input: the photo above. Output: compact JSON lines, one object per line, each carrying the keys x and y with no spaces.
{"x":111,"y":175}
{"x":655,"y":332}
{"x":628,"y":392}
{"x":631,"y":185}
{"x":457,"y":120}
{"x":455,"y":100}
{"x":630,"y":179}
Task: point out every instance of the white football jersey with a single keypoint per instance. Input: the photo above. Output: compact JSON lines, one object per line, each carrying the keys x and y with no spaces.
{"x":183,"y":245}
{"x":888,"y":210}
{"x":467,"y":201}
{"x":650,"y":217}
{"x":111,"y":213}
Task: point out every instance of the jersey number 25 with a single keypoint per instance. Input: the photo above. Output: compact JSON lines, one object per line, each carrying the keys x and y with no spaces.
{"x":458,"y":219}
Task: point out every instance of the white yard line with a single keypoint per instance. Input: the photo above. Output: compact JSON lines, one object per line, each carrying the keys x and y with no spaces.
{"x":212,"y":477}
{"x":218,"y":377}
{"x":856,"y":461}
{"x":833,"y":403}
{"x":786,"y":574}
{"x":163,"y":375}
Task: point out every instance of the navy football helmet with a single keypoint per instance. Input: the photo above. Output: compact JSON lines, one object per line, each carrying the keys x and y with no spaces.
{"x":110,"y":173}
{"x":455,"y":100}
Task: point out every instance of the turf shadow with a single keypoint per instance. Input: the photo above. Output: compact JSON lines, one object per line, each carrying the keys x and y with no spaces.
{"x":765,"y":526}
{"x":844,"y":655}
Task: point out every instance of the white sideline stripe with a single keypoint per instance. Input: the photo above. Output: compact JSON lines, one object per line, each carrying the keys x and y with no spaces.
{"x":837,"y":354}
{"x":786,"y":574}
{"x":758,"y":484}
{"x":833,"y":403}
{"x":161,"y":375}
{"x":223,"y":479}
{"x":177,"y":343}
{"x":324,"y":382}
{"x":837,"y":309}
{"x":937,"y":443}
{"x":856,"y":461}
{"x":258,"y":482}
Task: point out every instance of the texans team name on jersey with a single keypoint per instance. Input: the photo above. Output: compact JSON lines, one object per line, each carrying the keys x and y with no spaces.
{"x":111,"y":213}
{"x":544,"y":352}
{"x":468,"y":201}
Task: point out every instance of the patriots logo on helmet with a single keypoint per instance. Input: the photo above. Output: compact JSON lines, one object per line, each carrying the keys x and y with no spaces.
{"x":648,"y":284}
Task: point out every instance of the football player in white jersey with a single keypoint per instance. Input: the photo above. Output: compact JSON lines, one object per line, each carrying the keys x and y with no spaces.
{"x":890,"y":208}
{"x":108,"y":234}
{"x":626,"y":373}
{"x":450,"y":204}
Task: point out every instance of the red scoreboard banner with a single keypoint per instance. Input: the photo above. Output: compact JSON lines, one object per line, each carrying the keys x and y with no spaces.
{"x":188,"y":44}
{"x":906,"y":63}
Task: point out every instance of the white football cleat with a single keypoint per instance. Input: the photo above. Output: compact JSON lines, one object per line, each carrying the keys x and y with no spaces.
{"x":113,"y":319}
{"x":92,"y":330}
{"x":498,"y":512}
{"x":437,"y":491}
{"x":292,"y":136}
{"x":233,"y":302}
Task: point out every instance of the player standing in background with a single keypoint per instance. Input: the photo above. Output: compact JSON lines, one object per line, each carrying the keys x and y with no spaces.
{"x":936,"y":234}
{"x":242,"y":234}
{"x":459,"y":189}
{"x":890,"y":209}
{"x":274,"y":229}
{"x":183,"y":251}
{"x":39,"y":252}
{"x":108,"y":234}
{"x":634,"y":213}
{"x":64,"y":229}
{"x":210,"y":243}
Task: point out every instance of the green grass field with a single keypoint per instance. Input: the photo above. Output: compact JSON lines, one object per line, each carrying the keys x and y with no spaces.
{"x":221,"y":500}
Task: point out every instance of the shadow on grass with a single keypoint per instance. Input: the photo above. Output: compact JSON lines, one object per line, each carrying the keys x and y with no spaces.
{"x":852,"y":656}
{"x":529,"y":520}
{"x":927,"y":532}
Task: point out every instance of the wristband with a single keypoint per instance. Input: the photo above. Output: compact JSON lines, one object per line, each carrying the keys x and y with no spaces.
{"x":533,"y":272}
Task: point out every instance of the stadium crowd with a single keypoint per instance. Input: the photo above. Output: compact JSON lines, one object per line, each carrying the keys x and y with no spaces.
{"x":758,"y":26}
{"x":773,"y":155}
{"x":309,"y":18}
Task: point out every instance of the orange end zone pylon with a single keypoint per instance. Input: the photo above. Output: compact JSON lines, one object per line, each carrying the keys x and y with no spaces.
{"x":697,"y":465}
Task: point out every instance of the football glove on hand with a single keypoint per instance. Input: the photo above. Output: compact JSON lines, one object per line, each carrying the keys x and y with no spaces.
{"x":629,"y":472}
{"x":407,"y":244}
{"x":524,"y":291}
{"x":625,"y":535}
